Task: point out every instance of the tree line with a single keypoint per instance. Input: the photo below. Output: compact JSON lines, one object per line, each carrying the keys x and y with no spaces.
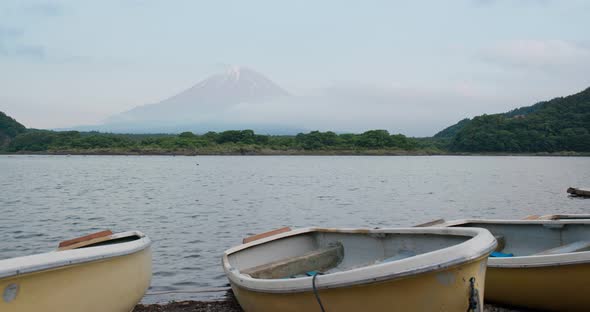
{"x":43,"y":140}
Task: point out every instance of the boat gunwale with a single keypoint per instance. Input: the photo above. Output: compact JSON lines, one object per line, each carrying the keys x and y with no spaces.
{"x":532,"y":261}
{"x":17,"y":266}
{"x":479,"y":244}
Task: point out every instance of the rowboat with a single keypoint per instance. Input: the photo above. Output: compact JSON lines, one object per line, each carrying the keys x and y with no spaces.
{"x":540,"y":263}
{"x":326,"y":269}
{"x":95,"y":273}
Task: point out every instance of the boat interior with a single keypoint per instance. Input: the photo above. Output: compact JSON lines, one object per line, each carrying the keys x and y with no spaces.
{"x":536,"y":239}
{"x":326,"y":252}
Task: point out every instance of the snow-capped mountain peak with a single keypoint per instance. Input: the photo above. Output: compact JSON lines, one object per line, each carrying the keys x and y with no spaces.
{"x":236,"y":85}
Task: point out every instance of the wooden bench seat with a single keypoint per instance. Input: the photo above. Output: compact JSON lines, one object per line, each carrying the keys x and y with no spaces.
{"x":571,"y":247}
{"x":317,"y":260}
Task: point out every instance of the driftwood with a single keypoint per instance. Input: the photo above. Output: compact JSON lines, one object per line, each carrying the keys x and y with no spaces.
{"x":317,"y":260}
{"x":579,"y":192}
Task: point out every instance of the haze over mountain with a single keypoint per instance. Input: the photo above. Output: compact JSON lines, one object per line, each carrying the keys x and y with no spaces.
{"x":204,"y":106}
{"x":241,"y":98}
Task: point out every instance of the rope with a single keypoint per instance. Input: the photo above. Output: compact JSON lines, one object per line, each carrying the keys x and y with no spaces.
{"x":315,"y":291}
{"x":189,"y":291}
{"x":474,"y":304}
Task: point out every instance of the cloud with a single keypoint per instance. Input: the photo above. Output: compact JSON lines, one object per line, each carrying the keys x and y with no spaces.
{"x":542,"y":55}
{"x":12,"y":38}
{"x":26,"y":51}
{"x":521,"y":2}
{"x":414,"y":111}
{"x":11,"y":45}
{"x":43,"y":9}
{"x":7,"y":32}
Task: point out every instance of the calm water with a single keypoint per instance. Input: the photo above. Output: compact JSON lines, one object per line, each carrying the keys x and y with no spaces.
{"x":194,"y":208}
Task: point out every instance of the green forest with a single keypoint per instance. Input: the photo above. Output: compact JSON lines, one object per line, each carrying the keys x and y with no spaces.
{"x":9,"y":128}
{"x":227,"y":142}
{"x":561,"y":124}
{"x":555,"y":126}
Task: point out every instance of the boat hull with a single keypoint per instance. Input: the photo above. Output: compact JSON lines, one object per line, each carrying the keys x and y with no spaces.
{"x":556,"y":288}
{"x":445,"y":290}
{"x":114,"y":284}
{"x":542,"y":277}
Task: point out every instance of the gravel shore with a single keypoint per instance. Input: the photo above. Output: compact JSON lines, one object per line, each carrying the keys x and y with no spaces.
{"x":192,"y":306}
{"x":231,"y":305}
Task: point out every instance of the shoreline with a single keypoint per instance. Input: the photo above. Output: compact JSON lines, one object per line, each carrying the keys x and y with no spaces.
{"x":228,"y":303}
{"x":287,"y":153}
{"x":231,"y":305}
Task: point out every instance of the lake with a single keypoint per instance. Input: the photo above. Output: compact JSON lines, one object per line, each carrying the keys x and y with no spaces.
{"x":193,"y":208}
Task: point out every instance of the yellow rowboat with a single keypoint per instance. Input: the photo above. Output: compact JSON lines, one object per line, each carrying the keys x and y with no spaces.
{"x":325,"y":269}
{"x":539,"y":264}
{"x":105,"y":273}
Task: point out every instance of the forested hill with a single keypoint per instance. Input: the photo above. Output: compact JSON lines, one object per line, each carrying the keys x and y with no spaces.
{"x":9,"y":128}
{"x":561,"y":124}
{"x":451,"y":131}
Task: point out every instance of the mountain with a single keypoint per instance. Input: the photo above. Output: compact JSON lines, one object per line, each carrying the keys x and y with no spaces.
{"x":451,"y":131}
{"x":9,"y":128}
{"x":201,"y":107}
{"x":561,"y":124}
{"x":523,"y":111}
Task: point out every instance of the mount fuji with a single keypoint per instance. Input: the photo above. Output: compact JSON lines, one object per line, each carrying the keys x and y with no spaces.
{"x":207,"y":106}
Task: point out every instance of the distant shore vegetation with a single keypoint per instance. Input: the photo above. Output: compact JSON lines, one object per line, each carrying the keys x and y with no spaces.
{"x":560,"y":126}
{"x":226,"y":142}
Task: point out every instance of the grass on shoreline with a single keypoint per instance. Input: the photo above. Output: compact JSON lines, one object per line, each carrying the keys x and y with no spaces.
{"x":257,"y":151}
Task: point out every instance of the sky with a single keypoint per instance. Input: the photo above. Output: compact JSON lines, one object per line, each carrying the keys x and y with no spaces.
{"x":428,"y":63}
